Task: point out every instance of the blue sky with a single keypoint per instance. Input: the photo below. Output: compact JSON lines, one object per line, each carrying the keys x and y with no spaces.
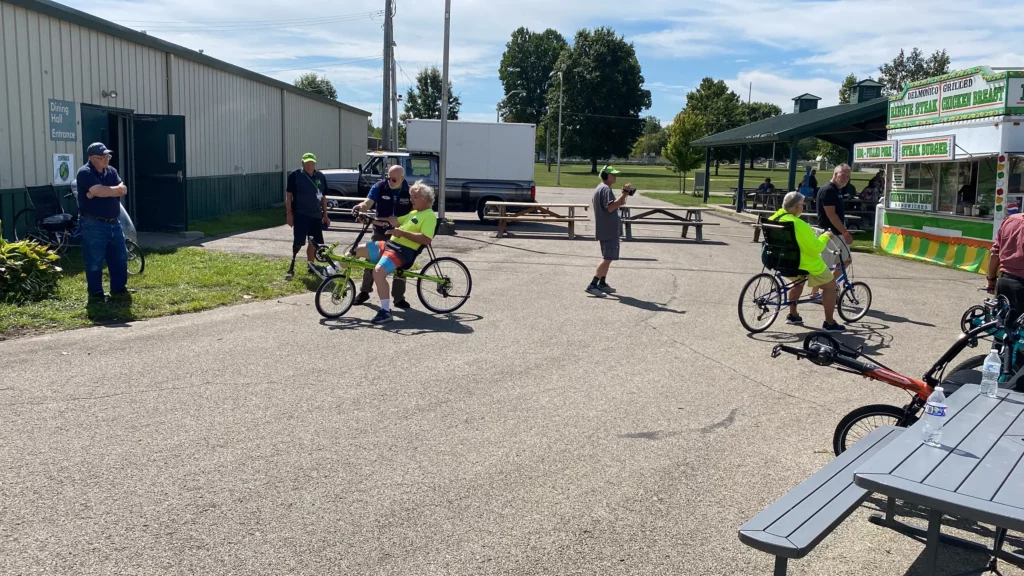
{"x":784,"y":47}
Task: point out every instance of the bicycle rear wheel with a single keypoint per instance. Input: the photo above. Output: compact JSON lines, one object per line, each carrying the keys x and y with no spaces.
{"x":335,"y":295}
{"x":136,"y":259}
{"x":854,"y":302}
{"x":26,"y":227}
{"x":760,"y":302}
{"x":864,"y":420}
{"x":451,"y":292}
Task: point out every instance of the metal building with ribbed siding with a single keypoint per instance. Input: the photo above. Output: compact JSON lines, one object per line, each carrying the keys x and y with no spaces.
{"x":194,"y":137}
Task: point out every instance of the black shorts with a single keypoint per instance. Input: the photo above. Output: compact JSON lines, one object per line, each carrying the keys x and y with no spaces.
{"x":610,"y":249}
{"x":1013,"y":288}
{"x":307,"y":226}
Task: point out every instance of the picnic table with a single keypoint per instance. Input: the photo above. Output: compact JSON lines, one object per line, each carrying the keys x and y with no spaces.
{"x":665,"y":216}
{"x":763,"y":215}
{"x":977,"y":474}
{"x":535,"y":212}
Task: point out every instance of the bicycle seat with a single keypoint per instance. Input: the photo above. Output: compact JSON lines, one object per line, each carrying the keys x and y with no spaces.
{"x":406,"y":267}
{"x":58,"y":223}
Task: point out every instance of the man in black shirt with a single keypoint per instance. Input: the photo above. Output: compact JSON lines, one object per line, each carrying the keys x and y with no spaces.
{"x":832,"y":217}
{"x":391,"y":199}
{"x":813,"y":182}
{"x":306,"y":205}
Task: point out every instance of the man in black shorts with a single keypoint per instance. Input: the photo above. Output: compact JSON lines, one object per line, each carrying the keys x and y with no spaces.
{"x":606,"y":229}
{"x":306,"y":204}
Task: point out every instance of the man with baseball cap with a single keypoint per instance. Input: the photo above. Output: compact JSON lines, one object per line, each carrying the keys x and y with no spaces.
{"x":99,"y":191}
{"x":606,"y":224}
{"x":306,"y":205}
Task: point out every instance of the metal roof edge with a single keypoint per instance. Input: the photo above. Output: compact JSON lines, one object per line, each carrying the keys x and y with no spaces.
{"x":852,"y":115}
{"x":68,"y":14}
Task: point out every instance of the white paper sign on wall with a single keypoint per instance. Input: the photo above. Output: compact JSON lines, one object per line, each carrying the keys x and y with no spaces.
{"x":63,"y":169}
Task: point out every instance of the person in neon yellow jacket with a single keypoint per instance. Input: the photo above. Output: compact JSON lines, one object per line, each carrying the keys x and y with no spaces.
{"x":818,"y":274}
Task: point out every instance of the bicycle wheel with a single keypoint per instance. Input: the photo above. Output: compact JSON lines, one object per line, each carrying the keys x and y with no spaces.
{"x":26,"y":227}
{"x":854,"y":302}
{"x":335,"y":295}
{"x":760,"y":302}
{"x":863,"y":420}
{"x":136,"y":259}
{"x":452,"y":292}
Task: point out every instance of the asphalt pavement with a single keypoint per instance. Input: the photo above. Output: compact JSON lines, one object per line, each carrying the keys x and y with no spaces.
{"x":538,"y":430}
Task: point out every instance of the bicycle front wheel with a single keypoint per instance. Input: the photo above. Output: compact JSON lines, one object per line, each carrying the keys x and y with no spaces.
{"x":760,"y":302}
{"x":854,"y":302}
{"x":447,"y":287}
{"x":136,"y":259}
{"x":864,"y":420}
{"x":334,"y":296}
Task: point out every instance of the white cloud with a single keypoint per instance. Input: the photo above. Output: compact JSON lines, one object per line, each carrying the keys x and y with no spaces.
{"x":780,"y":89}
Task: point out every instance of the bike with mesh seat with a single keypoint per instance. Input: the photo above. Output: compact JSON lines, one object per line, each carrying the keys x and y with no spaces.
{"x":765,"y":294}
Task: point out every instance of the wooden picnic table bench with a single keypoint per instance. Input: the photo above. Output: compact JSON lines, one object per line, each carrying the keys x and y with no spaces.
{"x":665,"y":216}
{"x":535,"y":212}
{"x":763,"y":215}
{"x":796,"y":523}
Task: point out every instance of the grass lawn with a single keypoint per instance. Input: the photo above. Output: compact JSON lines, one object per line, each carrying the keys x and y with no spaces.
{"x":240,"y":222}
{"x":175,"y":281}
{"x":661,"y":178}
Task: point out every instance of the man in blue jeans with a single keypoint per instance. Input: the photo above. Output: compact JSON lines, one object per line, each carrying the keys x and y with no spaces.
{"x":99,"y":206}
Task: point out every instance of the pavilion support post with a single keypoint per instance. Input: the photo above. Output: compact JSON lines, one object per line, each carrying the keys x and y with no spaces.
{"x":794,"y":155}
{"x":740,"y":196}
{"x":707,"y":174}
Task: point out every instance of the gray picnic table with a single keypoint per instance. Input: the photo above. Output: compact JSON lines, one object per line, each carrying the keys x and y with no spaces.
{"x":978,"y":473}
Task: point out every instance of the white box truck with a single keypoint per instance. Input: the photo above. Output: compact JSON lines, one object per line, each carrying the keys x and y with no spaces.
{"x":486,"y":161}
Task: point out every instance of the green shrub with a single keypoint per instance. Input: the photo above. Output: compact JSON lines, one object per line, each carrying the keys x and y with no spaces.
{"x":28,"y":271}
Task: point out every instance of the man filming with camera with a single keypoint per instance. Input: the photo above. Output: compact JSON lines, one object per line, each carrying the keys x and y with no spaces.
{"x":607,"y":224}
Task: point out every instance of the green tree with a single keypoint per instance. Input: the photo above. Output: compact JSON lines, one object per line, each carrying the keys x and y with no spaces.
{"x":905,"y":69}
{"x":652,"y":140}
{"x":371,"y":130}
{"x":526,"y":65}
{"x":846,"y":90}
{"x":721,"y":110}
{"x":685,"y":128}
{"x":603,"y":98}
{"x":310,"y":82}
{"x":755,"y":112}
{"x":424,"y":99}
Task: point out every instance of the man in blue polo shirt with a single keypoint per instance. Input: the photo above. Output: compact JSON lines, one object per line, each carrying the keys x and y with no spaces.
{"x":391,"y":198}
{"x":99,"y":205}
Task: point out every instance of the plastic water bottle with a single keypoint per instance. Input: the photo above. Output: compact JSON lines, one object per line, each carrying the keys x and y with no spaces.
{"x":990,"y":374}
{"x":934,"y":418}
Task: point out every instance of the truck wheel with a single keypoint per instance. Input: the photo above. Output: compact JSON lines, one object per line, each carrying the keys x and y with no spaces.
{"x":480,"y":210}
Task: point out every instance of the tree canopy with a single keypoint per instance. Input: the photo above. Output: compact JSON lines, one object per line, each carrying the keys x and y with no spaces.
{"x":317,"y":85}
{"x":653,"y":139}
{"x":905,"y":69}
{"x":423,"y":100}
{"x":721,"y":110}
{"x":526,"y":65}
{"x":604,"y":96}
{"x":685,"y":128}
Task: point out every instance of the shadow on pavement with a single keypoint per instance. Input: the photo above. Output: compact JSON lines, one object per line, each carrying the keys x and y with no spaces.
{"x":777,"y":337}
{"x":411,"y":323}
{"x":116,"y":312}
{"x":870,"y":336}
{"x":886,"y":317}
{"x":645,"y":305}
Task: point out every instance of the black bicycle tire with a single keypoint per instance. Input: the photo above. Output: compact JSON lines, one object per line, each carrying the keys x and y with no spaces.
{"x":839,"y":438}
{"x":142,"y":257}
{"x":968,"y":364}
{"x":350,"y":287}
{"x":39,"y":235}
{"x":743,"y":293}
{"x":425,"y":271}
{"x":842,"y":298}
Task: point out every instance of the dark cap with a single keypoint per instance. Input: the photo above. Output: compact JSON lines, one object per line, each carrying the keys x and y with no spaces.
{"x":98,"y":149}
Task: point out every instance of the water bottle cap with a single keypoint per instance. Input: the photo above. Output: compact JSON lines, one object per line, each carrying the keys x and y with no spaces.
{"x":938,"y":388}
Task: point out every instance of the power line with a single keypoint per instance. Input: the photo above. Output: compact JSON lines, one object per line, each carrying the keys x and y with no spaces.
{"x":323,"y":64}
{"x":249,"y":22}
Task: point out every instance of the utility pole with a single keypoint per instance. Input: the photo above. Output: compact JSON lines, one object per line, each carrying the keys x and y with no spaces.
{"x":558,"y":174}
{"x":547,"y":134}
{"x":443,"y":227}
{"x":394,"y":93}
{"x":385,"y":121}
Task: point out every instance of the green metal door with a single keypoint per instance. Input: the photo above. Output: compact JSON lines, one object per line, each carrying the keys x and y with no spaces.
{"x":159,"y":150}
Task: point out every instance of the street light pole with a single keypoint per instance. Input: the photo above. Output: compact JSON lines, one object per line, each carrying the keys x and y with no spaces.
{"x":442,"y":226}
{"x":507,"y":96}
{"x":558,"y":178}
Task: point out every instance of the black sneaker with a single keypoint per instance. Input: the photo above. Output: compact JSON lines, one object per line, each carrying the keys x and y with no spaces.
{"x":289,"y":275}
{"x":604,"y":287}
{"x":794,"y":319}
{"x":595,"y":291}
{"x":833,"y":327}
{"x":382,"y":317}
{"x":362,"y":297}
{"x":403,"y":304}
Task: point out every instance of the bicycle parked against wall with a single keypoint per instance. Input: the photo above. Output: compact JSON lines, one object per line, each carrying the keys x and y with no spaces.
{"x":46,"y":222}
{"x":443,"y":284}
{"x":766,"y":294}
